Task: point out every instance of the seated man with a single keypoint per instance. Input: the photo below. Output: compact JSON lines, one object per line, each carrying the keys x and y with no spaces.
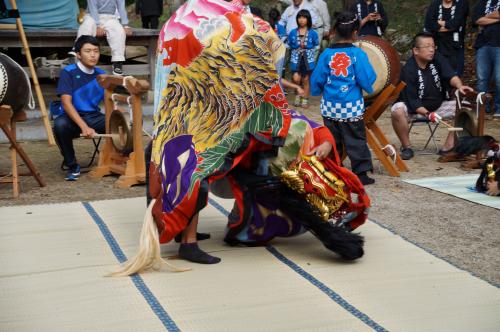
{"x":424,"y":93}
{"x":101,"y":21}
{"x":80,"y":97}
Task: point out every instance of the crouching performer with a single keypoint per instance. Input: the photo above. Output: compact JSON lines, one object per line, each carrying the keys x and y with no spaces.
{"x":218,"y":105}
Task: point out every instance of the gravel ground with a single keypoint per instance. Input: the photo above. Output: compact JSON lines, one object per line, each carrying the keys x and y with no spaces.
{"x":464,"y":233}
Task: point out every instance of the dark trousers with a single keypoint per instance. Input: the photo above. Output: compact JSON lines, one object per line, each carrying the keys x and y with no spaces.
{"x":352,"y":136}
{"x":150,"y":22}
{"x":65,"y":130}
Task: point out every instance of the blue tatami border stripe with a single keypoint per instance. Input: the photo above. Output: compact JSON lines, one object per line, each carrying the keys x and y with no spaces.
{"x":318,"y":284}
{"x":153,"y":302}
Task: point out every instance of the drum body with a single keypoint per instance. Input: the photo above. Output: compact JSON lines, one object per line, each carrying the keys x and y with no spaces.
{"x":120,"y":125}
{"x":14,"y":84}
{"x":385,"y":61}
{"x":466,"y":118}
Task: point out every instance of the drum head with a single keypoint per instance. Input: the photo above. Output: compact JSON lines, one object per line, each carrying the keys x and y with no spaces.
{"x":119,"y":124}
{"x":466,"y":118}
{"x":385,"y":61}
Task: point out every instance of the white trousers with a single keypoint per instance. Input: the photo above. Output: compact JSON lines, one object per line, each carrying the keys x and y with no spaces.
{"x":115,"y":34}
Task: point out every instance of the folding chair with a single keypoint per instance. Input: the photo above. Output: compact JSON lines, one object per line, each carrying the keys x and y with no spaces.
{"x":422,"y":121}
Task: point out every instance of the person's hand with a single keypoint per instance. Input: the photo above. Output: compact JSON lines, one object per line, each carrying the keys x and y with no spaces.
{"x":434,"y":117}
{"x":464,"y":88}
{"x":326,"y":34}
{"x":300,"y":91}
{"x":128,"y":31}
{"x":100,"y":32}
{"x":322,"y":151}
{"x":441,"y":23}
{"x":88,"y":132}
{"x":492,"y":188}
{"x":374,"y":16}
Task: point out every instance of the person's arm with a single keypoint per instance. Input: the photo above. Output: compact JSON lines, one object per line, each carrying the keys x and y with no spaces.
{"x":138,"y":6}
{"x":325,"y":143}
{"x":315,"y":39}
{"x":365,"y":74}
{"x":69,"y":109}
{"x":326,"y":18}
{"x":287,"y":84}
{"x":122,"y":12}
{"x":92,"y":9}
{"x":292,"y":39}
{"x":456,"y":82}
{"x":319,"y":76}
{"x":283,"y":18}
{"x":479,"y":18}
{"x":315,"y":19}
{"x":383,"y":21}
{"x":410,"y":93}
{"x":431,"y":19}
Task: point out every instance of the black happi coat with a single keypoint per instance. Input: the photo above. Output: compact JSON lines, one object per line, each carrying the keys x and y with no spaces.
{"x":425,"y":87}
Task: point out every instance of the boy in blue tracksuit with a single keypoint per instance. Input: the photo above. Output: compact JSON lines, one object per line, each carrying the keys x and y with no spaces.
{"x":342,"y":72}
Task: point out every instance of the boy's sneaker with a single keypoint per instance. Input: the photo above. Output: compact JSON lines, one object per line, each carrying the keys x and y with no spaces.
{"x":117,"y":68}
{"x":365,"y":179}
{"x":73,"y":173}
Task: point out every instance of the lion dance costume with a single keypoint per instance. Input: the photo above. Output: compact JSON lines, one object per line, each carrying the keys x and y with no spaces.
{"x":221,"y":115}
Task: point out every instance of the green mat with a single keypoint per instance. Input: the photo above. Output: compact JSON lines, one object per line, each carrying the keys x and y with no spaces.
{"x":460,"y":186}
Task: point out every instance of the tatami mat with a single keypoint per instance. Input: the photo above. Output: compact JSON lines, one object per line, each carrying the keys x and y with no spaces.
{"x":53,"y":259}
{"x":460,"y":186}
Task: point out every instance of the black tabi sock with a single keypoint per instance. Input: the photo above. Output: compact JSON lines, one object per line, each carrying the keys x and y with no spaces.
{"x":192,"y":253}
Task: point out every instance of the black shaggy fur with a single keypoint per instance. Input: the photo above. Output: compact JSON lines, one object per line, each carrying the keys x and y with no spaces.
{"x":337,"y":239}
{"x":468,"y":145}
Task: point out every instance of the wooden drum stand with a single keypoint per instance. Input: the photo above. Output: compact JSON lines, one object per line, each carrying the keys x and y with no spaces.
{"x":114,"y":158}
{"x":8,"y":121}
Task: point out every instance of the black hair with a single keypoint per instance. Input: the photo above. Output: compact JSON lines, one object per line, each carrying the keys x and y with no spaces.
{"x":273,"y":15}
{"x":304,"y":13}
{"x":85,"y":39}
{"x":345,"y":24}
{"x":256,"y":11}
{"x":419,"y":36}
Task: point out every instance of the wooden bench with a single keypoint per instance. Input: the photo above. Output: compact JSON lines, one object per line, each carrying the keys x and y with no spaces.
{"x":54,"y":38}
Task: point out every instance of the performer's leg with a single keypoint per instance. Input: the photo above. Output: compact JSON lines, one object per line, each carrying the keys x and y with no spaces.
{"x":65,"y":130}
{"x":334,"y":130}
{"x":145,"y":22}
{"x":305,"y":81}
{"x":88,"y":27}
{"x":399,"y":119}
{"x":154,"y":22}
{"x":357,"y":149}
{"x":189,"y":249}
{"x":115,"y":34}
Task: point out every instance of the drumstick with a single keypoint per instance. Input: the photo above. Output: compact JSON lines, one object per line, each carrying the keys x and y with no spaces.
{"x":101,"y":135}
{"x":451,"y":128}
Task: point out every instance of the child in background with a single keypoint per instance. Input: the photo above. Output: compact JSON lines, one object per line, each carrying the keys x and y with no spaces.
{"x":303,"y":42}
{"x":342,"y":72}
